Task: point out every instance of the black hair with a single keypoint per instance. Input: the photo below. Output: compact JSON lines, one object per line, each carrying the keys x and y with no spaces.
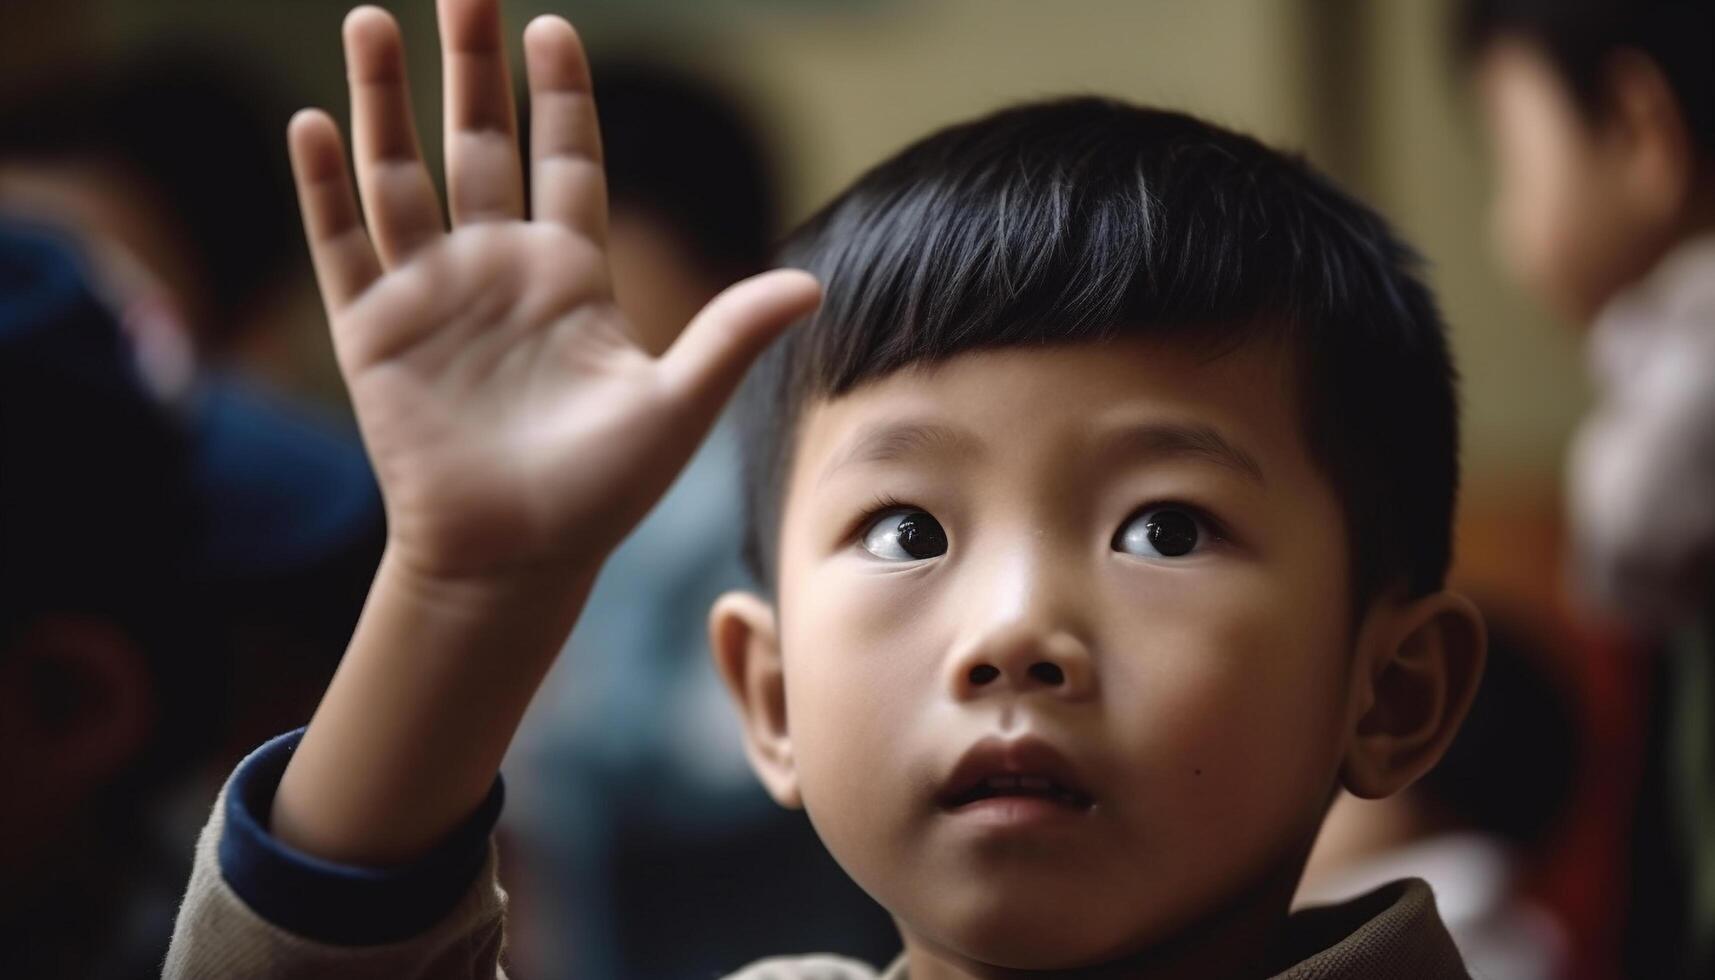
{"x":684,"y":151}
{"x":199,"y":135}
{"x":1578,"y":37}
{"x":1087,"y":219}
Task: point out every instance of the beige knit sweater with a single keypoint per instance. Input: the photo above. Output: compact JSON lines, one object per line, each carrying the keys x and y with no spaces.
{"x":1391,"y":934}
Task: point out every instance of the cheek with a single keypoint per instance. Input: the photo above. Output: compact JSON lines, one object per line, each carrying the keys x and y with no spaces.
{"x":1241,"y":703}
{"x":1232,"y":737}
{"x":1553,"y":221}
{"x":859,"y":663}
{"x":1230,"y":702}
{"x":1536,"y":207}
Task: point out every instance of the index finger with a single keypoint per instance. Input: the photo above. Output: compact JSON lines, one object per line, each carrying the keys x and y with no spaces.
{"x":340,"y":249}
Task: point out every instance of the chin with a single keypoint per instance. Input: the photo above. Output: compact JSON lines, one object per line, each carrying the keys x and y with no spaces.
{"x":1024,"y":951}
{"x":1042,"y":931}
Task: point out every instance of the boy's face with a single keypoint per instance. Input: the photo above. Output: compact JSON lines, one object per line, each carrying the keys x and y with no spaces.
{"x":1581,"y":207}
{"x":1113,"y":568}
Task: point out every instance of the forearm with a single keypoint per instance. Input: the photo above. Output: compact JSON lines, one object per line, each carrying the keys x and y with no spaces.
{"x":503,"y":401}
{"x":408,"y":739}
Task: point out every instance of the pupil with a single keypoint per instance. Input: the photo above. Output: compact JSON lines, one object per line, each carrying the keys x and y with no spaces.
{"x":921,"y":536}
{"x":1173,"y":533}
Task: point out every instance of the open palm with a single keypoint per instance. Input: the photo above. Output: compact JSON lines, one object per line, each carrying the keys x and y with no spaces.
{"x":512,"y":418}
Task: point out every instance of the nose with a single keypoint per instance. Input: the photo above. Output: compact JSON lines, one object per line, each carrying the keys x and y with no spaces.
{"x":1026,"y":654}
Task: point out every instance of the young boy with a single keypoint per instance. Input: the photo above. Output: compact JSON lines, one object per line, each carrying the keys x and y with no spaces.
{"x":1102,"y":510}
{"x":1603,"y":117}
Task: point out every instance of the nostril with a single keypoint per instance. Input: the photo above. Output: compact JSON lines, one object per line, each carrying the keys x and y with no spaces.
{"x":1048,"y":673}
{"x":983,"y":673}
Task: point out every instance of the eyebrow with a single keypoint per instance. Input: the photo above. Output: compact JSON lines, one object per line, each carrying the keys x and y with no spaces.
{"x":1175,"y":439}
{"x":891,"y":442}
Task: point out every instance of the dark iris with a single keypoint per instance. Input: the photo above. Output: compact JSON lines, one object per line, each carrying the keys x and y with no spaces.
{"x":921,"y":536}
{"x":1172,"y":532}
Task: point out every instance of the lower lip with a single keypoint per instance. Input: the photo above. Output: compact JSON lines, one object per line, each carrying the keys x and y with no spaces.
{"x":1017,"y":812}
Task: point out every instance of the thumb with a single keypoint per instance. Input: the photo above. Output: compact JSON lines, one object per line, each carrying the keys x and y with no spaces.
{"x":710,"y":357}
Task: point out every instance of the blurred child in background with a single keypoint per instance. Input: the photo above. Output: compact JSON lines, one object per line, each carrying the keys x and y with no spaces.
{"x":1603,"y":121}
{"x":182,"y":553}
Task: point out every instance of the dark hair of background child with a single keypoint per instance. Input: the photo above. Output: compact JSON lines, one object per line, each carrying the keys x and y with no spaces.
{"x":720,"y":202}
{"x":201,"y":135}
{"x":1578,"y":37}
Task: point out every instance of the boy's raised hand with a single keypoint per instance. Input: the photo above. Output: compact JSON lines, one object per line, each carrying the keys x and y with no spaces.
{"x":513,"y":421}
{"x":518,"y":430}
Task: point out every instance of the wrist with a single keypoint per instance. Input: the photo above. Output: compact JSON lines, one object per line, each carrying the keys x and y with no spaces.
{"x":543,"y":590}
{"x":406,"y":742}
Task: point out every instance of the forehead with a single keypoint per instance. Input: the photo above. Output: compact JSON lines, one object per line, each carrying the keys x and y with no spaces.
{"x":1238,"y":409}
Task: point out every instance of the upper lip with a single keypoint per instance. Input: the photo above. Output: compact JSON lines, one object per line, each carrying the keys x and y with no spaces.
{"x":996,"y":757}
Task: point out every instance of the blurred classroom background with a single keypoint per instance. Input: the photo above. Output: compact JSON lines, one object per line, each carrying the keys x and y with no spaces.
{"x":1366,"y":89}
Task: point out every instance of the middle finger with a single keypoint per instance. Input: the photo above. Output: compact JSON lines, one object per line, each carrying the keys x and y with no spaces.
{"x":484,"y":177}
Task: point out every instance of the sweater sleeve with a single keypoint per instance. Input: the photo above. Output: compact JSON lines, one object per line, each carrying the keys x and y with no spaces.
{"x":257,"y":908}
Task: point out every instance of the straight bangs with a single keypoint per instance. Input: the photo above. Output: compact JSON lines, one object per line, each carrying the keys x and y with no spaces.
{"x":1085,"y":220}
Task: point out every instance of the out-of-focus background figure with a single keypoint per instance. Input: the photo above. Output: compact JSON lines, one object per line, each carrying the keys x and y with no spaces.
{"x":166,"y":161}
{"x":727,"y":121}
{"x":156,"y":559}
{"x":1603,"y":123}
{"x":1602,"y":120}
{"x":164,"y":168}
{"x":183,"y":552}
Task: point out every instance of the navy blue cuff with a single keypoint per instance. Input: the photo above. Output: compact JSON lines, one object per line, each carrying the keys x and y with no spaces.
{"x":337,"y":903}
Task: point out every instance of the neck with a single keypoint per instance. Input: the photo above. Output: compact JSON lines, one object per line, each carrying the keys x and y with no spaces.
{"x":1699,"y":216}
{"x":1239,"y":940}
{"x":1696,"y":220}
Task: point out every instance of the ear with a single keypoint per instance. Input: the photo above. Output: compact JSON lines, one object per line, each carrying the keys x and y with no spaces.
{"x":1418,"y":665}
{"x":1646,"y":127}
{"x":746,"y":646}
{"x":78,"y":702}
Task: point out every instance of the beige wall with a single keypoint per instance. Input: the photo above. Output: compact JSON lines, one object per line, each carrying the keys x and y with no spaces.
{"x":851,"y":89}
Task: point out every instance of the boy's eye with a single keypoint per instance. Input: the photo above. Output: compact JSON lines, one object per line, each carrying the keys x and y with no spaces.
{"x":905,"y":535}
{"x":1161,"y":532}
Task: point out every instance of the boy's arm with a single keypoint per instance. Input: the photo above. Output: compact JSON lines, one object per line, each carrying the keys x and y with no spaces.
{"x":254,"y":909}
{"x":517,"y":429}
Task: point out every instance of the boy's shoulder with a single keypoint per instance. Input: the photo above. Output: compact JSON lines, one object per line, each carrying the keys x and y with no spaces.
{"x":1394,"y":932}
{"x":820,"y":967}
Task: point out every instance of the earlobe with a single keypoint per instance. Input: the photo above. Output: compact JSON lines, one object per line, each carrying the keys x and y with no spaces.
{"x":745,"y":642}
{"x":1419,"y":665}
